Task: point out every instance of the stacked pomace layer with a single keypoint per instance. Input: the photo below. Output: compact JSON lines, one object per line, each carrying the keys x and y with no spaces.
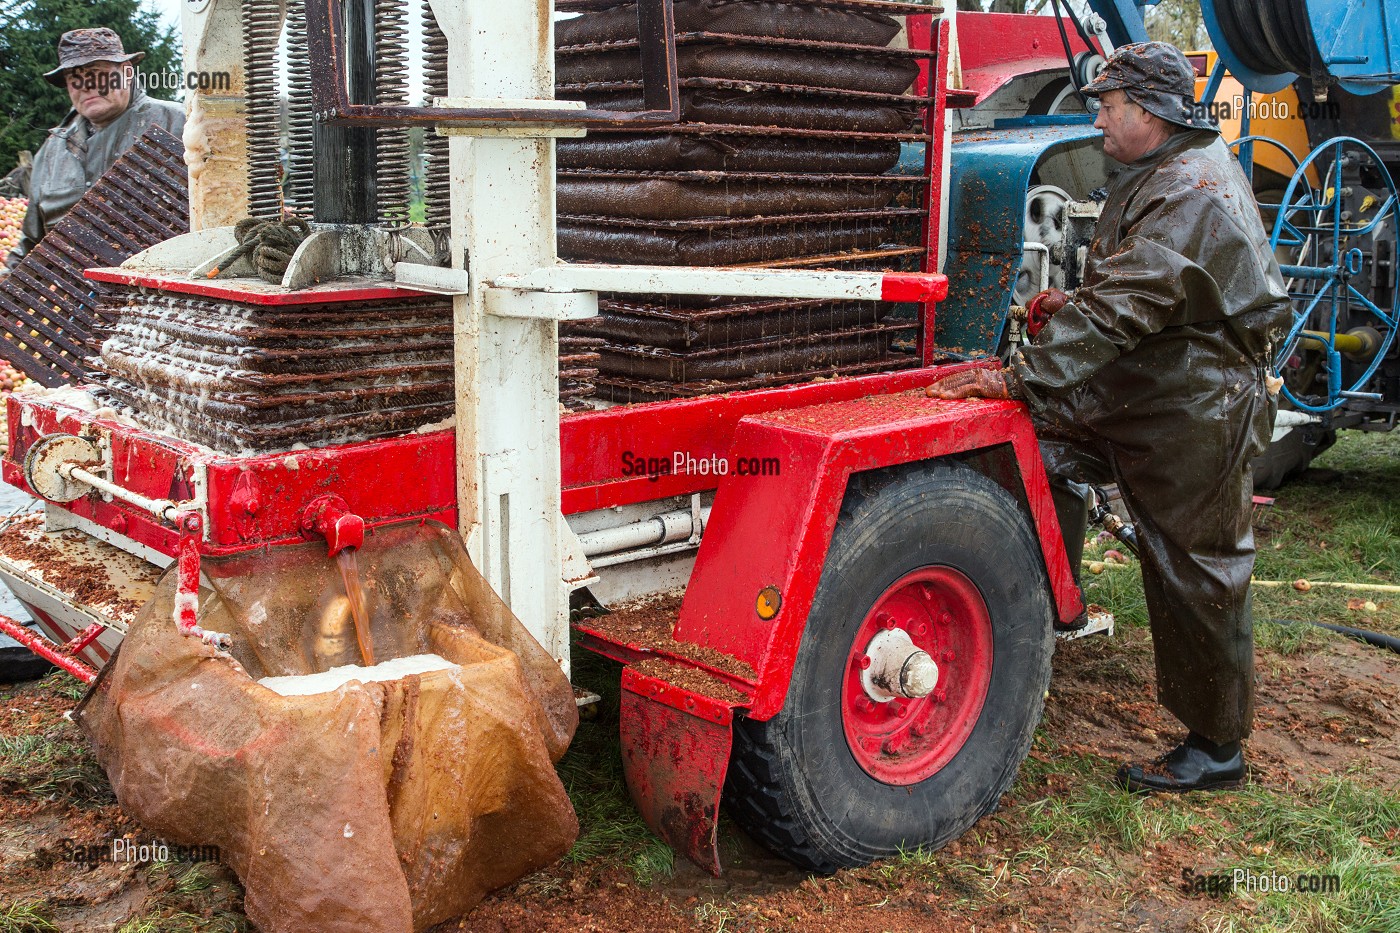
{"x":245,"y":378}
{"x":791,"y":116}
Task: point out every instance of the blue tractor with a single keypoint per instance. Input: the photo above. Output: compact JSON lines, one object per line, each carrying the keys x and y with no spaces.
{"x":1027,"y":169}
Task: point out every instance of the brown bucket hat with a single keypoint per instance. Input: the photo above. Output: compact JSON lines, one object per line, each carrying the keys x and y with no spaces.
{"x":1157,"y":77}
{"x":78,"y":47}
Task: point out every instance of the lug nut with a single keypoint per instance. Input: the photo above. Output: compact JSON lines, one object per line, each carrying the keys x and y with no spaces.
{"x":865,"y":662}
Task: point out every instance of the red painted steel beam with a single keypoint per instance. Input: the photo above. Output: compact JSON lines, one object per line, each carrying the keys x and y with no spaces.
{"x":599,"y":449}
{"x":48,"y":650}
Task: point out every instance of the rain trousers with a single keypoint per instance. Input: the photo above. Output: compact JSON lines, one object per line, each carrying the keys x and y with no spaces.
{"x":1155,"y":377}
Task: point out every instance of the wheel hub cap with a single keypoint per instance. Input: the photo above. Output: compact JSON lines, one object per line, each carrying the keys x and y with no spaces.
{"x":917,"y":676}
{"x":897,"y":668}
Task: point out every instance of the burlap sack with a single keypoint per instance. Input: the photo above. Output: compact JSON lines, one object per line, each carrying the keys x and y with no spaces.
{"x":381,"y":807}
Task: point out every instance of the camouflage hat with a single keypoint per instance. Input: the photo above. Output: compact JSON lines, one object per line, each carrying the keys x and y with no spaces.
{"x":78,"y":47}
{"x":1156,"y":77}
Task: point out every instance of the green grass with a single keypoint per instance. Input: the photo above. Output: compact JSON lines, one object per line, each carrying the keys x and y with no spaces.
{"x":65,"y":685}
{"x":1338,"y":522}
{"x":56,"y":764}
{"x":1335,"y":826}
{"x":187,"y":899}
{"x":610,"y":828}
{"x":25,"y":917}
{"x":1093,"y":811}
{"x":1347,"y":826}
{"x":178,"y":921}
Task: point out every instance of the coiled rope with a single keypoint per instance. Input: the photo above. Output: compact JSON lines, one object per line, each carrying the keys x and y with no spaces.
{"x":270,"y":243}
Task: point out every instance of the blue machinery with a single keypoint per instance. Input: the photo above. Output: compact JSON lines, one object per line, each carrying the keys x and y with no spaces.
{"x":1318,"y":228}
{"x":1325,"y":238}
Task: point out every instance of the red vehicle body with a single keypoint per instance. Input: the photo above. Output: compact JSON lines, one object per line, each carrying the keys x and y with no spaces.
{"x":758,"y":568}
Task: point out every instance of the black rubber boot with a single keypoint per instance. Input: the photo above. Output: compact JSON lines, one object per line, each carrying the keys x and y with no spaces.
{"x":1196,"y":764}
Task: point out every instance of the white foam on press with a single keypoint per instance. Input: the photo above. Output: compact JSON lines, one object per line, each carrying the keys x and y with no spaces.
{"x":337,"y":677}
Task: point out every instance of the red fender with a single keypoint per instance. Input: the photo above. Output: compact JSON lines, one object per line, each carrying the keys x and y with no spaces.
{"x":767,"y":542}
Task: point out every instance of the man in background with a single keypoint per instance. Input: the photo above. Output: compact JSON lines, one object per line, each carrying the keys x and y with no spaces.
{"x":110,"y":113}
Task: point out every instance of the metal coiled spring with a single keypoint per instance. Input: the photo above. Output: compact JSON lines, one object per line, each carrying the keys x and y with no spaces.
{"x":391,"y":87}
{"x":262,"y":25}
{"x":436,"y":181}
{"x":301,"y":156}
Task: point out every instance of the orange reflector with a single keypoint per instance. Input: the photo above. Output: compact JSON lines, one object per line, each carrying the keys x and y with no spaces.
{"x":769,"y":602}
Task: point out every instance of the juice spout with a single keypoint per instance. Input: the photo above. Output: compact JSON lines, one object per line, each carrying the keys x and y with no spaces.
{"x":330,"y":517}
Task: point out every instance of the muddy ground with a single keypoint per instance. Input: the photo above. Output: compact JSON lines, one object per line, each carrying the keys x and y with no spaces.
{"x":1066,"y":851}
{"x":1333,"y":710}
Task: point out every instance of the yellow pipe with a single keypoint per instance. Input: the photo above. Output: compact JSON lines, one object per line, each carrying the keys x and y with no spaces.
{"x":1351,"y":344}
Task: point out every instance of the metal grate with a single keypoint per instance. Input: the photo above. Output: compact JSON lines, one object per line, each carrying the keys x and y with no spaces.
{"x":792,"y":116}
{"x":889,"y":7}
{"x":49,"y":323}
{"x":578,"y":368}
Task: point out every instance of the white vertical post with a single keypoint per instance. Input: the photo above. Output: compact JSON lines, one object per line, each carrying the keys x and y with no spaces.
{"x":216,"y":147}
{"x":507,"y":368}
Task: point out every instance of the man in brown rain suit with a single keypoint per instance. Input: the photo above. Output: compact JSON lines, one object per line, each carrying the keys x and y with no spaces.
{"x":1154,"y":375}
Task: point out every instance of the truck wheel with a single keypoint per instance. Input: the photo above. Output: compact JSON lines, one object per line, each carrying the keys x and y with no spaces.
{"x":858,"y":765}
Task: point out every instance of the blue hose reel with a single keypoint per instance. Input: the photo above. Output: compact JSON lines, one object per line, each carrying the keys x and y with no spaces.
{"x":1323,"y":232}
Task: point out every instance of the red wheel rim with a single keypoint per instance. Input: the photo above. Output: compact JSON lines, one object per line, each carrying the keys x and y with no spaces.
{"x":903,"y":741}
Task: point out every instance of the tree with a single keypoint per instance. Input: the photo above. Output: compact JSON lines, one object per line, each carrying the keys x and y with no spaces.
{"x":29,"y":32}
{"x":1179,"y":22}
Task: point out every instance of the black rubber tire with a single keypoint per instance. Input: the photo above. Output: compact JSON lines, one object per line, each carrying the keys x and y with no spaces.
{"x":19,"y":664}
{"x":793,"y":782}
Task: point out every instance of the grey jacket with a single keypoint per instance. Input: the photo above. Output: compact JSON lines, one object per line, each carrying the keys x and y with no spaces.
{"x":76,"y":155}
